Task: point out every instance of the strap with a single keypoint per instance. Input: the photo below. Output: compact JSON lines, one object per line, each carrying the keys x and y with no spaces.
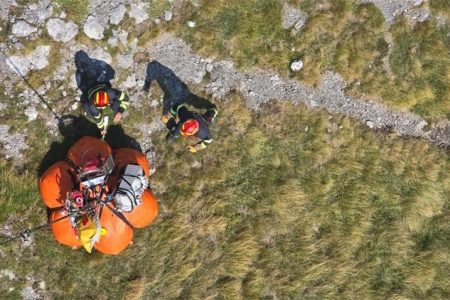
{"x":118,"y":214}
{"x":177,"y":107}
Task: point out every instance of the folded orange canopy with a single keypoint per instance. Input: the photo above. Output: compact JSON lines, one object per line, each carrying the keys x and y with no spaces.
{"x":61,"y":179}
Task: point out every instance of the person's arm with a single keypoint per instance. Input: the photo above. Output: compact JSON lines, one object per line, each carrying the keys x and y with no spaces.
{"x":119,"y":100}
{"x":199,"y":146}
{"x":95,"y":114}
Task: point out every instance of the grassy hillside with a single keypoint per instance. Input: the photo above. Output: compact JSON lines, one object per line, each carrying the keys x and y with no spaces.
{"x":286,"y":203}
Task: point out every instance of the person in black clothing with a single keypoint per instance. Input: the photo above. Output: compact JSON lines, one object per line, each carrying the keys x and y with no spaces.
{"x":190,"y":124}
{"x":98,"y":98}
{"x":93,"y":79}
{"x":178,"y":119}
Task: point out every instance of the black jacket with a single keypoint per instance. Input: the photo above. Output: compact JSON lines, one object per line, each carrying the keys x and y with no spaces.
{"x":183,"y":114}
{"x":118,"y":102}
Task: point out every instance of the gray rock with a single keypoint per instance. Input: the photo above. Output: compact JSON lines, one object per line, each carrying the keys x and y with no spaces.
{"x":23,"y":29}
{"x":28,"y":293}
{"x":138,"y":12}
{"x":36,"y":60}
{"x":31,"y":113}
{"x":117,"y":14}
{"x":130,"y":82}
{"x":13,"y":144}
{"x":101,"y":54}
{"x":5,"y":8}
{"x":393,"y":8}
{"x":93,"y":29}
{"x":124,"y":61}
{"x":296,"y":65}
{"x":168,"y":15}
{"x":292,"y":17}
{"x":7,"y":274}
{"x":38,"y":13}
{"x":113,"y":41}
{"x":61,"y":31}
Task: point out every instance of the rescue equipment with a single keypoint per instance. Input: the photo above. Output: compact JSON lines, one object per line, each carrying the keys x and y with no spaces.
{"x":97,"y":196}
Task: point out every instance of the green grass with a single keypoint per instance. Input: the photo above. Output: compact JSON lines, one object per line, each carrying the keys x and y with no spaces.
{"x":288,"y":203}
{"x":76,"y":10}
{"x":158,"y":7}
{"x":343,"y":36}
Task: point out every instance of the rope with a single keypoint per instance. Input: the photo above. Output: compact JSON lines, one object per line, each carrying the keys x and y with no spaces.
{"x":26,"y":233}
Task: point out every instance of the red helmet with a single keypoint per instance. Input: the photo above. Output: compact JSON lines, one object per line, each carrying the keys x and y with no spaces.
{"x":190,"y":127}
{"x":101,"y":99}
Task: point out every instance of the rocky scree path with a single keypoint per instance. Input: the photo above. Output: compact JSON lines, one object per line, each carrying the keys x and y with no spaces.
{"x":260,"y":86}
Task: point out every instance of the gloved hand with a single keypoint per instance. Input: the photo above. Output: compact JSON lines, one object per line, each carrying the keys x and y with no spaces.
{"x":165,"y":118}
{"x":192,"y":149}
{"x":117,"y":118}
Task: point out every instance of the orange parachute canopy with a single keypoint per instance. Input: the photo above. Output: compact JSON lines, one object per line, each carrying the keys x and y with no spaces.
{"x":63,"y":180}
{"x":62,"y":229}
{"x":118,"y":234}
{"x":145,"y":213}
{"x":87,"y":149}
{"x":55,"y":183}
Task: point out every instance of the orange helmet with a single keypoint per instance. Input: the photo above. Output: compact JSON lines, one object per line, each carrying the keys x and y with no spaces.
{"x":190,"y":127}
{"x":101,"y":99}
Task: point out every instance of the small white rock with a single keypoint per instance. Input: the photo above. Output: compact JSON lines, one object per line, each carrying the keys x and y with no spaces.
{"x":191,"y":24}
{"x":93,"y":29}
{"x":370,"y":124}
{"x":296,"y":65}
{"x":157,"y":21}
{"x":168,"y":15}
{"x":74,"y":106}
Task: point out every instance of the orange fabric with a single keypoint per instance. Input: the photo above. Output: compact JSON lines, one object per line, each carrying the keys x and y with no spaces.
{"x":143,"y":214}
{"x":123,"y":157}
{"x":55,"y":183}
{"x":87,"y":149}
{"x":118,"y":234}
{"x":63,"y":230}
